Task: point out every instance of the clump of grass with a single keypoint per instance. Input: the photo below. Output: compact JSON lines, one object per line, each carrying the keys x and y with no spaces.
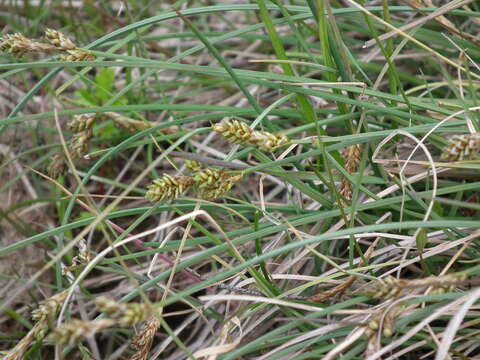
{"x":302,"y":263}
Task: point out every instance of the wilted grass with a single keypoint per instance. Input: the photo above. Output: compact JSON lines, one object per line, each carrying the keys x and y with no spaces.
{"x":337,"y":216}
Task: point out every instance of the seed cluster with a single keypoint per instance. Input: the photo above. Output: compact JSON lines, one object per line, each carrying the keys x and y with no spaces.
{"x":169,"y":187}
{"x":18,"y":45}
{"x":209,"y":183}
{"x":125,"y":314}
{"x":213,"y":183}
{"x":117,"y":314}
{"x":240,"y":133}
{"x":43,"y":317}
{"x":60,"y":41}
{"x":462,"y":147}
{"x":82,"y":128}
{"x":393,"y":288}
{"x":74,"y":331}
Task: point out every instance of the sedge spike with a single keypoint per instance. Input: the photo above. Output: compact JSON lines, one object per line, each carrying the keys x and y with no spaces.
{"x":239,"y":133}
{"x":462,"y":147}
{"x":168,"y":187}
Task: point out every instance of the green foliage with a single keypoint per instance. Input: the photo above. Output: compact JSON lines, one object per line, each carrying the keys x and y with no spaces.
{"x":313,"y":231}
{"x":101,"y":91}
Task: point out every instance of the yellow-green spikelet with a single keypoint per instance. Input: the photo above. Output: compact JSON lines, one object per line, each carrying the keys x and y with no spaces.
{"x":239,"y":133}
{"x":234,"y":130}
{"x":168,"y":187}
{"x":267,"y":141}
{"x":213,"y":183}
{"x":462,"y":147}
{"x":208,"y":177}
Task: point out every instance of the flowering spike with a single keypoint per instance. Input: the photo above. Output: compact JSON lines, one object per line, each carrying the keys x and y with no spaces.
{"x":60,"y":41}
{"x":57,"y":166}
{"x":142,"y":342}
{"x":193,"y":166}
{"x":80,"y":142}
{"x":18,"y":45}
{"x":73,"y":332}
{"x":213,"y":183}
{"x":462,"y":147}
{"x":168,"y":187}
{"x":125,"y":314}
{"x":239,"y":133}
{"x":353,"y":155}
{"x":70,"y":51}
{"x":82,"y":122}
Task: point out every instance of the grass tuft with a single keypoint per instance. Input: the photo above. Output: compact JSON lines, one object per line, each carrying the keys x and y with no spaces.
{"x":239,"y":180}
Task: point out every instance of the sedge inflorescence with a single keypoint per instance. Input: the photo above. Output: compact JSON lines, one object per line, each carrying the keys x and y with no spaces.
{"x":213,"y":183}
{"x":384,"y":319}
{"x":43,"y":317}
{"x":391,"y":287}
{"x":74,"y":331}
{"x":169,"y":187}
{"x":142,"y":342}
{"x":240,"y":133}
{"x":209,"y":183}
{"x":125,"y":314}
{"x":18,"y":45}
{"x":82,"y":129}
{"x":462,"y":147}
{"x":116,"y":314}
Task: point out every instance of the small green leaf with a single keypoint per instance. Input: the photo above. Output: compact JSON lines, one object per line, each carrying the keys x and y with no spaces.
{"x":104,"y":81}
{"x":437,"y":207}
{"x":421,"y":240}
{"x":86,"y":97}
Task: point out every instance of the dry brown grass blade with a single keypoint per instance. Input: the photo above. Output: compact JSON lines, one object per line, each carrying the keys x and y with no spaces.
{"x":437,"y":15}
{"x":417,"y":328}
{"x":410,"y":38}
{"x":352,"y":155}
{"x":139,"y":243}
{"x":340,"y":289}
